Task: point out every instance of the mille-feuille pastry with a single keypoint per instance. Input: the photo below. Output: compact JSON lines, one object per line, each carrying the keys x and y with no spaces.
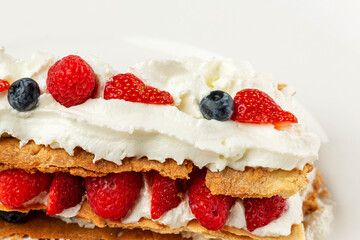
{"x":173,"y":148}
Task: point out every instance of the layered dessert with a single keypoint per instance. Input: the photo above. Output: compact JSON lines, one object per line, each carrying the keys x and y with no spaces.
{"x":179,"y":149}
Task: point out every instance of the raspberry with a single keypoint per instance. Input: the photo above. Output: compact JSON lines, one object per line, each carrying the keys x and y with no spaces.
{"x":66,"y":191}
{"x":4,"y":85}
{"x":260,"y":212}
{"x":71,"y":81}
{"x":211,"y":211}
{"x":165,"y":195}
{"x":18,"y":186}
{"x":112,"y":196}
{"x":255,"y":106}
{"x":130,"y":88}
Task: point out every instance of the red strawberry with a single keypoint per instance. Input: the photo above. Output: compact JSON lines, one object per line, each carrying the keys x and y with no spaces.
{"x":112,"y":196}
{"x":66,"y":191}
{"x":71,"y":81}
{"x":4,"y":85}
{"x":165,"y":195}
{"x":255,"y":106}
{"x":261,"y":211}
{"x":18,"y":186}
{"x":210,"y":210}
{"x":130,"y":88}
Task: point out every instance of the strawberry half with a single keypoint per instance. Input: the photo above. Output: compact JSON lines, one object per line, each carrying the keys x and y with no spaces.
{"x":260,"y":212}
{"x":18,"y":186}
{"x":4,"y":85}
{"x":130,"y":88}
{"x":112,"y":196}
{"x":165,"y":195}
{"x":66,"y":191}
{"x":211,"y":211}
{"x":255,"y":106}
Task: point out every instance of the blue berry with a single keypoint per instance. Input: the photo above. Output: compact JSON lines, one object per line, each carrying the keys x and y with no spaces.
{"x":12,"y":217}
{"x":217,"y":105}
{"x":23,"y":94}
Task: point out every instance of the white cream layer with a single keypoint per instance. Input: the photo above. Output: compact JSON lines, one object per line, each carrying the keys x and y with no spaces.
{"x":116,"y":129}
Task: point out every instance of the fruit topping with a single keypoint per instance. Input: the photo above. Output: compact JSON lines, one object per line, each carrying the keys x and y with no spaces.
{"x":217,"y":105}
{"x":130,"y":88}
{"x":18,"y":186}
{"x":12,"y":217}
{"x":66,"y":191}
{"x":165,"y":195}
{"x":113,"y":195}
{"x":261,"y":211}
{"x":255,"y":106}
{"x":23,"y":94}
{"x":71,"y":81}
{"x":4,"y":85}
{"x":210,"y":210}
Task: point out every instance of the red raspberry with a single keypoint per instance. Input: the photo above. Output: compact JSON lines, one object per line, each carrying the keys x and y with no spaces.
{"x":211,"y":211}
{"x":261,"y":211}
{"x":112,"y":196}
{"x":18,"y":186}
{"x":255,"y":106}
{"x":165,"y":195}
{"x":130,"y":88}
{"x":66,"y":191}
{"x":71,"y":81}
{"x":4,"y":85}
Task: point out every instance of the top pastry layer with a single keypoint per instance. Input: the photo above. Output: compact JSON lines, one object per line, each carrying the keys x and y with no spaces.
{"x":116,"y":129}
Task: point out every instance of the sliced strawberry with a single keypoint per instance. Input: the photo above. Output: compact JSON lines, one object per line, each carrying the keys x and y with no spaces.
{"x":165,"y":195}
{"x":260,"y":212}
{"x":66,"y":191}
{"x":112,"y":196}
{"x":18,"y":186}
{"x":4,"y":85}
{"x":130,"y":88}
{"x":210,"y":210}
{"x":255,"y":106}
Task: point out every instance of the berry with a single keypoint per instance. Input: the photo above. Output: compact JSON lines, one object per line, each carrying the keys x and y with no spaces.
{"x":12,"y":217}
{"x":217,"y":105}
{"x":4,"y":85}
{"x":165,"y":195}
{"x":211,"y":211}
{"x":18,"y":186}
{"x":66,"y":191}
{"x":261,"y":211}
{"x":255,"y":106}
{"x":71,"y":81}
{"x":130,"y":88}
{"x":23,"y":94}
{"x":112,"y":196}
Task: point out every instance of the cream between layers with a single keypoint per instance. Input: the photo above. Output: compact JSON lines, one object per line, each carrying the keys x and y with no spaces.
{"x":177,"y":132}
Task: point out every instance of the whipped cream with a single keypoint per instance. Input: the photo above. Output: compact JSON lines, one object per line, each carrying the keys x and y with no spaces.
{"x":115,"y":129}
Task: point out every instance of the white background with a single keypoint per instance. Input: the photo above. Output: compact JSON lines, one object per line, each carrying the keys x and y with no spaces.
{"x":312,"y":45}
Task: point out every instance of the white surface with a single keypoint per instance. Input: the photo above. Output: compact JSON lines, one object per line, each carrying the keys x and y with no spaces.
{"x":312,"y":45}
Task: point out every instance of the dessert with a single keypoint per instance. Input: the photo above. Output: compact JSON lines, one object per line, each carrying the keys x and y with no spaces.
{"x":185,"y":147}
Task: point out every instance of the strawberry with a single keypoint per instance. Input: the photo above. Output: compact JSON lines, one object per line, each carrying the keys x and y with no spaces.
{"x":4,"y":85}
{"x":255,"y":106}
{"x":130,"y":88}
{"x":66,"y":191}
{"x":211,"y":211}
{"x":112,"y":196}
{"x":165,"y":195}
{"x":18,"y":186}
{"x":71,"y":81}
{"x":261,"y":211}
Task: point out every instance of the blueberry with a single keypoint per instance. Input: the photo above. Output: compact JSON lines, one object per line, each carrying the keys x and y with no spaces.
{"x":12,"y":217}
{"x":23,"y":94}
{"x":217,"y":105}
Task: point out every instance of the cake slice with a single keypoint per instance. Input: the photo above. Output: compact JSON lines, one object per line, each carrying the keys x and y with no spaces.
{"x":183,"y":147}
